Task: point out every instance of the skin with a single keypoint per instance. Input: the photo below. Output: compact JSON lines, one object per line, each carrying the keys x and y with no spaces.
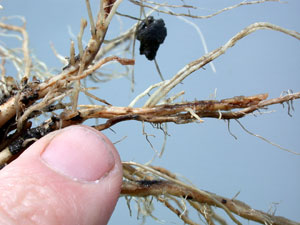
{"x":71,"y":176}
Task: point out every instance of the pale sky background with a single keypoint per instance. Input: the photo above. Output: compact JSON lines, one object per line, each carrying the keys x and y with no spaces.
{"x":206,"y":154}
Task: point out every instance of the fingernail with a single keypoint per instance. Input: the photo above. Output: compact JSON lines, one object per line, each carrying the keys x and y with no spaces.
{"x":80,"y":153}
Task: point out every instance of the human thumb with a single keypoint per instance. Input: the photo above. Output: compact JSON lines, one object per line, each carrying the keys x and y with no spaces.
{"x":71,"y":176}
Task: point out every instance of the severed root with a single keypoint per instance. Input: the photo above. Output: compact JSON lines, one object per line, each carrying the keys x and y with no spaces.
{"x":177,"y":113}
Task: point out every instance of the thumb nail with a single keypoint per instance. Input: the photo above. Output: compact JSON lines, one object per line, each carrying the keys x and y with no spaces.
{"x":80,"y":153}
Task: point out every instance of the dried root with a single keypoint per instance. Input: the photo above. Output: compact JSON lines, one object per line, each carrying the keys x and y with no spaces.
{"x":146,"y":181}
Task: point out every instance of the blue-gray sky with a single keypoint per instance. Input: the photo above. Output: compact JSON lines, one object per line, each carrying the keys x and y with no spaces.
{"x":206,"y":154}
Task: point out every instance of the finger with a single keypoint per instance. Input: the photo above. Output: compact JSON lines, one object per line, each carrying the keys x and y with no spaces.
{"x":71,"y":176}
